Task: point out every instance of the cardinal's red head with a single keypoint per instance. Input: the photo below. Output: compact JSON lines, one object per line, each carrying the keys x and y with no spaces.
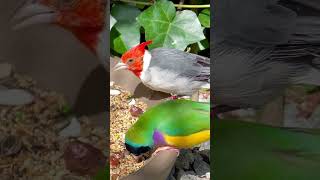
{"x":133,"y":59}
{"x":84,"y":18}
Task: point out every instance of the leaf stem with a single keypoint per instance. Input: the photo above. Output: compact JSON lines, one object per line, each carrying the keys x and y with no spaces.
{"x":175,"y":5}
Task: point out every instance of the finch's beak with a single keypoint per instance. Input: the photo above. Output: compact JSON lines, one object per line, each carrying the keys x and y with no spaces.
{"x":120,"y":66}
{"x":31,"y":13}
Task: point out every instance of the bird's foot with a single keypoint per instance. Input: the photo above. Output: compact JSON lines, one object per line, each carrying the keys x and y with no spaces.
{"x":309,"y":105}
{"x":173,"y":97}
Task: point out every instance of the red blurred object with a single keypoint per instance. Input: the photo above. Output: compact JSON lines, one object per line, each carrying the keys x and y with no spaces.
{"x":136,"y":111}
{"x":83,"y":159}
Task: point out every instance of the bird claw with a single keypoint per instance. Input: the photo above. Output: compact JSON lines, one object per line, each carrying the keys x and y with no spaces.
{"x":310,"y":104}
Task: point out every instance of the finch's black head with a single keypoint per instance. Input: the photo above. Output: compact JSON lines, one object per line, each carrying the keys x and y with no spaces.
{"x":137,"y":151}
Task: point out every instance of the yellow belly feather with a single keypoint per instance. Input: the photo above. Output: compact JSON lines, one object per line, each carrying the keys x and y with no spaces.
{"x":188,"y":141}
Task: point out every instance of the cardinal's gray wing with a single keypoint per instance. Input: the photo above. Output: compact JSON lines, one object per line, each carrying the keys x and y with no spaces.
{"x":185,"y":64}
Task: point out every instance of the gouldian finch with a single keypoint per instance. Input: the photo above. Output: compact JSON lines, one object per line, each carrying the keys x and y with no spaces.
{"x":262,"y":47}
{"x":86,"y":19}
{"x":167,"y":70}
{"x":178,"y":123}
{"x":250,"y":151}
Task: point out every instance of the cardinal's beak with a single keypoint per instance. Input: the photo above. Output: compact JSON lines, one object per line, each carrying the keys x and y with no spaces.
{"x":31,"y":13}
{"x":120,"y":66}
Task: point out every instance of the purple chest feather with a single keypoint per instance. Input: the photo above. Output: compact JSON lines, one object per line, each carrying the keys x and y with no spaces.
{"x":158,"y":138}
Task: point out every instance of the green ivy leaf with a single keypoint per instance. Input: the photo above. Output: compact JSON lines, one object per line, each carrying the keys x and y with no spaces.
{"x":117,"y":43}
{"x":126,"y":32}
{"x":204,"y":18}
{"x":167,"y":28}
{"x":113,"y":21}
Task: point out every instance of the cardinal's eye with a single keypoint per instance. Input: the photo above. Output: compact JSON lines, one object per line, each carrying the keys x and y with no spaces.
{"x":130,"y":61}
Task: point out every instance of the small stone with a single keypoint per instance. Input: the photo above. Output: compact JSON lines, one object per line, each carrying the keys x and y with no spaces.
{"x":185,"y":159}
{"x":201,"y":167}
{"x":204,"y":146}
{"x":5,"y":70}
{"x":179,"y":173}
{"x":205,"y":155}
{"x":197,"y":157}
{"x":136,"y":111}
{"x":132,"y":102}
{"x":114,"y":92}
{"x":9,"y":145}
{"x":61,"y":124}
{"x":83,"y":159}
{"x":15,"y":97}
{"x":72,"y":130}
{"x":189,"y":175}
{"x":208,"y":175}
{"x":190,"y":172}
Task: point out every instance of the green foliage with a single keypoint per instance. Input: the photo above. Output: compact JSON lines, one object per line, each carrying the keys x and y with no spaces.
{"x":161,"y":22}
{"x":204,"y":18}
{"x":126,"y":31}
{"x":167,"y":28}
{"x":112,"y":22}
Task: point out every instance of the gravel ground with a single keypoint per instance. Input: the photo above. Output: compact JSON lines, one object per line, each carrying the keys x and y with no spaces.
{"x":121,"y":119}
{"x":34,"y":143}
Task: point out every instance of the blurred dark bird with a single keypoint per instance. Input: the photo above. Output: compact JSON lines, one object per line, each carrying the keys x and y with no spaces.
{"x":86,"y":19}
{"x":251,"y":151}
{"x":261,"y":47}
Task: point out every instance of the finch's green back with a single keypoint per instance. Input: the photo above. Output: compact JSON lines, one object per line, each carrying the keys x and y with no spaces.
{"x":180,"y":117}
{"x":174,"y":118}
